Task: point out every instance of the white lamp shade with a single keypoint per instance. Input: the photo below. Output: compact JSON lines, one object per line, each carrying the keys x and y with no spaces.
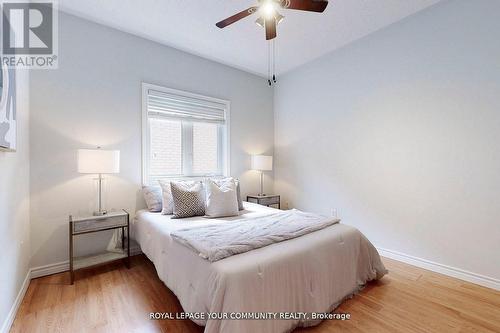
{"x":262,"y":163}
{"x":98,"y":161}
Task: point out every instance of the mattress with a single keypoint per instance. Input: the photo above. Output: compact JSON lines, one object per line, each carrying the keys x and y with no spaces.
{"x":309,"y":274}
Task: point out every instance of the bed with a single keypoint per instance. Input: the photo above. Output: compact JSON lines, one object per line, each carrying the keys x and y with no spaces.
{"x":311,"y":273}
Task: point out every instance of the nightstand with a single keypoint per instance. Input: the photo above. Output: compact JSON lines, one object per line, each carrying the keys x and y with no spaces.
{"x":91,"y":224}
{"x":265,"y":200}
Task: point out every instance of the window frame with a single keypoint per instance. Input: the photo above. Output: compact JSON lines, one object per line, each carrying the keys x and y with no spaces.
{"x":224,"y":135}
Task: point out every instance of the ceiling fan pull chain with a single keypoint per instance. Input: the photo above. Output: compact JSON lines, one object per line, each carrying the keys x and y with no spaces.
{"x":274,"y":61}
{"x":269,"y":63}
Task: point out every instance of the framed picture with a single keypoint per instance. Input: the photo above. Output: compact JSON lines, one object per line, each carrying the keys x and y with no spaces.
{"x":8,"y":116}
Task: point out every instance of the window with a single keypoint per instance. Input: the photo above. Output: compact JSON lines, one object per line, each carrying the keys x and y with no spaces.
{"x":184,"y":135}
{"x":205,"y":148}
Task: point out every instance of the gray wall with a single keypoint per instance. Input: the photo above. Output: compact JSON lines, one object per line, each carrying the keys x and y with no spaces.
{"x":14,"y":206}
{"x":94,"y":98}
{"x":400,"y":132}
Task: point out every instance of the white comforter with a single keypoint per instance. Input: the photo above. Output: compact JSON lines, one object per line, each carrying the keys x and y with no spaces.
{"x":311,"y":273}
{"x":221,"y":240}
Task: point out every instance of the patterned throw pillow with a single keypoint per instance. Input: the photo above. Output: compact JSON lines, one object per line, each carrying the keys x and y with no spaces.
{"x":222,"y":181}
{"x":189,"y":199}
{"x":152,"y":195}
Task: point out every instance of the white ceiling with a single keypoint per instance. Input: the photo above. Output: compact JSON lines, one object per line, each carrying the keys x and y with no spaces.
{"x":189,"y":25}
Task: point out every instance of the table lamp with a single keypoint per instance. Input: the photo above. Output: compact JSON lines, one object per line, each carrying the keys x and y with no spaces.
{"x":98,"y":161}
{"x":262,"y":163}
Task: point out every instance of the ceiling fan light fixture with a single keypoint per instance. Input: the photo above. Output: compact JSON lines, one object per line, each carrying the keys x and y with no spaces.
{"x":278,"y":18}
{"x":260,"y":22}
{"x":268,"y":9}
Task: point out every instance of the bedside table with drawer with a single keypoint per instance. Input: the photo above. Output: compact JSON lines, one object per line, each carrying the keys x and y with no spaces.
{"x":91,"y":224}
{"x":265,"y":200}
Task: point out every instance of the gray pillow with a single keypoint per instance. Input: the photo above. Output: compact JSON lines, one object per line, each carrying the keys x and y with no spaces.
{"x":152,"y":195}
{"x":189,"y":199}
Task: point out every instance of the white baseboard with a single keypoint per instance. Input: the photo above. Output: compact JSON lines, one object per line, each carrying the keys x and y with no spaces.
{"x":135,"y":250}
{"x":13,"y":310}
{"x":458,"y":273}
{"x":50,"y":269}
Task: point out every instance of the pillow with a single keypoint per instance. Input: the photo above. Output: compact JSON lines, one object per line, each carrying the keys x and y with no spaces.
{"x":220,"y":181}
{"x":153,"y":197}
{"x":221,"y":199}
{"x":189,"y":199}
{"x":167,"y":200}
{"x":238,"y":195}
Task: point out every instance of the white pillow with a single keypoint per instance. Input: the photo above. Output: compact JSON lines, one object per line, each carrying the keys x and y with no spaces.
{"x":220,"y":181}
{"x":221,"y":199}
{"x":167,"y":199}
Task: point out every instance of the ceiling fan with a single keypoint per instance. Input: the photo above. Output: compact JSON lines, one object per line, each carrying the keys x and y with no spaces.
{"x":269,"y":16}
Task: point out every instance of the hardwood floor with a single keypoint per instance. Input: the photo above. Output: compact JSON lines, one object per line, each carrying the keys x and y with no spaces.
{"x":113,"y":299}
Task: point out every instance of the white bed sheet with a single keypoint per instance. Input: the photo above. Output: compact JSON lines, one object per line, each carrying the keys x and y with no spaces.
{"x":311,"y":273}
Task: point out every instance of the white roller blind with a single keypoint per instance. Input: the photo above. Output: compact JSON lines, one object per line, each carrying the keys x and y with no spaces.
{"x":171,"y":105}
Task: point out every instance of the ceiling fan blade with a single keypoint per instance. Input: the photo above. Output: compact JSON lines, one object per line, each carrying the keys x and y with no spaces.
{"x":236,"y":17}
{"x":318,"y":6}
{"x":270,"y":28}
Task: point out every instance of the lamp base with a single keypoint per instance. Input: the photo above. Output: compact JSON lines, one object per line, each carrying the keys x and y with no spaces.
{"x":261,"y":194}
{"x":100,"y":213}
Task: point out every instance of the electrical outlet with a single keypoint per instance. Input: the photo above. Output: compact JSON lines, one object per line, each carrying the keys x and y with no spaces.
{"x":334,"y":212}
